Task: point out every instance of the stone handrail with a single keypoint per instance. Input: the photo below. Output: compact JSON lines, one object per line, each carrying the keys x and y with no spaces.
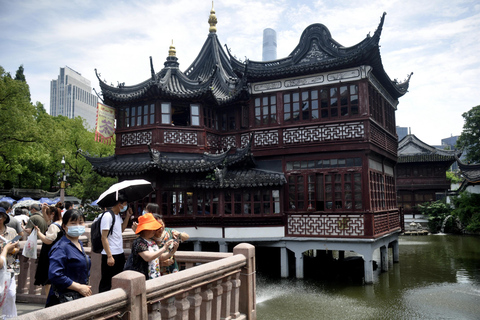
{"x":223,"y":286}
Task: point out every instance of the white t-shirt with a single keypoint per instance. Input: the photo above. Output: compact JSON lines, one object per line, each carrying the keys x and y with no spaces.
{"x":115,"y":240}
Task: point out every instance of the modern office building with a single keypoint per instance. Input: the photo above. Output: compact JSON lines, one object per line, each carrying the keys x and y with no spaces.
{"x":70,"y":96}
{"x":402,"y":132}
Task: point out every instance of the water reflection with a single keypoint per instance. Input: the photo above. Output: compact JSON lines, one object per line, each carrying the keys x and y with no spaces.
{"x":438,"y":277}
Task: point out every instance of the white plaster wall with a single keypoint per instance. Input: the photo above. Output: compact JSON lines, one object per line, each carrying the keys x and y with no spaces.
{"x":473,"y":189}
{"x":264,"y":232}
{"x":204,"y":232}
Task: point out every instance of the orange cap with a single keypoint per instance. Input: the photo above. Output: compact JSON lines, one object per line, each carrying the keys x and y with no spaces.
{"x":147,"y":222}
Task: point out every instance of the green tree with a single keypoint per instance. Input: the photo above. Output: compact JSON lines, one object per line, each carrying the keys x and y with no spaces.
{"x":453,"y":177}
{"x":469,"y":140}
{"x":83,"y":182}
{"x":19,"y":74}
{"x":437,"y":212}
{"x":19,"y":132}
{"x":467,"y":210}
{"x":33,"y":144}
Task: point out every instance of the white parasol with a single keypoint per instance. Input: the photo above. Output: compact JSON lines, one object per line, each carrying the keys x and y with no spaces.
{"x":132,"y":190}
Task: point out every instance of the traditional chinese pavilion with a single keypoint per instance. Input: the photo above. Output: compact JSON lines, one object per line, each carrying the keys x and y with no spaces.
{"x":471,"y":175}
{"x":421,"y":175}
{"x":296,"y":153}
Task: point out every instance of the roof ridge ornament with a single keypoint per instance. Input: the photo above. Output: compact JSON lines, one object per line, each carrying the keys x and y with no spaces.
{"x":172,"y":52}
{"x":212,"y":20}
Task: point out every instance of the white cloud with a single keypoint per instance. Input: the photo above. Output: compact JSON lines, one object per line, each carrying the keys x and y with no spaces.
{"x":437,"y":40}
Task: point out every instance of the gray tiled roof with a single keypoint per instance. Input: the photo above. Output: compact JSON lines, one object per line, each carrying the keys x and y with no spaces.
{"x":247,"y":178}
{"x":471,"y":172}
{"x":210,"y":77}
{"x":412,"y":149}
{"x":318,"y":52}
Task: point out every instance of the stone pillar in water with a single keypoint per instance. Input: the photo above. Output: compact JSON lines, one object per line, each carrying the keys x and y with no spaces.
{"x":299,"y":265}
{"x":396,"y":252}
{"x":197,"y":246}
{"x":283,"y":263}
{"x":384,"y":258}
{"x":223,"y":246}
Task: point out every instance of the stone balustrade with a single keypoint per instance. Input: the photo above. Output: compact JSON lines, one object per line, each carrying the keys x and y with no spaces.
{"x":213,"y":286}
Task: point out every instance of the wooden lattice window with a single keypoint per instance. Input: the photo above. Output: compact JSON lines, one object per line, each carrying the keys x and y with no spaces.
{"x":263,"y":202}
{"x":325,"y":192}
{"x":210,"y":118}
{"x":265,"y":110}
{"x":137,"y":116}
{"x":377,"y":191}
{"x":207,"y":203}
{"x":296,"y":192}
{"x":376,"y":104}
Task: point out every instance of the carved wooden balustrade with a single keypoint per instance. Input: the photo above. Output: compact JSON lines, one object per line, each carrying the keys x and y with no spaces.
{"x":344,"y":225}
{"x":273,"y":137}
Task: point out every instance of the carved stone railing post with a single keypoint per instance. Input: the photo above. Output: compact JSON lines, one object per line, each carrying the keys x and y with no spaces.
{"x":183,"y":305}
{"x":133,"y":283}
{"x":217,"y":300}
{"x":206,"y":307}
{"x":195,"y":304}
{"x":226,"y":298}
{"x":168,"y":309}
{"x":154,"y":311}
{"x":235,"y":302}
{"x":22,"y":279}
{"x":248,"y":281}
{"x":95,"y":271}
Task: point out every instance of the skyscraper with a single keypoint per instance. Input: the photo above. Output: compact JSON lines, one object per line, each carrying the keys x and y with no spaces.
{"x":269,"y":45}
{"x":70,"y":96}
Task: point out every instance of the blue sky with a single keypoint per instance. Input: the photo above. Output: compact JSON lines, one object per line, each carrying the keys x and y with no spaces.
{"x":437,"y":40}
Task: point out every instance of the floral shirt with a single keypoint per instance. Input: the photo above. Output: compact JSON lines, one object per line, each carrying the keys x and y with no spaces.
{"x":150,"y":269}
{"x":154,"y":265}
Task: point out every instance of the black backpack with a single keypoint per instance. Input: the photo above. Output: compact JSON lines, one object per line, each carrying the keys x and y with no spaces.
{"x":96,"y":233}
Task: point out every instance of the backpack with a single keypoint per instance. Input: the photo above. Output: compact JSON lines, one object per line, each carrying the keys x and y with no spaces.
{"x":96,"y":232}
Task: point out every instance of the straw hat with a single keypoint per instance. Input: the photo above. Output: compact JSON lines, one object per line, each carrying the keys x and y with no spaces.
{"x":147,"y":222}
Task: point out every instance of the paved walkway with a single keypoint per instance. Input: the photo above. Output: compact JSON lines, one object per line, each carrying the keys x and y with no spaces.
{"x":23,"y":308}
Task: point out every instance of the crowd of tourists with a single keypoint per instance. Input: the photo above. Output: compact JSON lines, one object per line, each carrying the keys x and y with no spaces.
{"x":63,"y":267}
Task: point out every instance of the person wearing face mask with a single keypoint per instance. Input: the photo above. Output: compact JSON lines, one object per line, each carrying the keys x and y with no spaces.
{"x":113,"y":256}
{"x":69,"y":268}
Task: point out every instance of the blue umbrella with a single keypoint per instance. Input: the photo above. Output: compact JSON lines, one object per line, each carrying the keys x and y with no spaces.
{"x":25,"y":199}
{"x":8,"y":199}
{"x":94,"y":203}
{"x":46,"y":200}
{"x":54,"y":201}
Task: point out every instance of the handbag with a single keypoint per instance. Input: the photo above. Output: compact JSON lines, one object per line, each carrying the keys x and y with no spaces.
{"x":67,"y":296}
{"x":30,"y":248}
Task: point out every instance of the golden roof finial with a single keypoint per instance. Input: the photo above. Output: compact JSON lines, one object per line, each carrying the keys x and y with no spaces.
{"x":171,"y":51}
{"x":212,"y":20}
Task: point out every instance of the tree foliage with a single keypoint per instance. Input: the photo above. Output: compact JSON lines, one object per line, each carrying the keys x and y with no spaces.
{"x":33,"y":144}
{"x":453,"y":177}
{"x":467,"y":210}
{"x":469,"y":140}
{"x":437,"y":212}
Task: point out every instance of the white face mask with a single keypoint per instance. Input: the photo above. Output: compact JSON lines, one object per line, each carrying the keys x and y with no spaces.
{"x":124,"y":208}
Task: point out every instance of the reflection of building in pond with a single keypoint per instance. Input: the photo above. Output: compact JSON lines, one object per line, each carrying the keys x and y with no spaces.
{"x":275,"y":153}
{"x":421,"y":175}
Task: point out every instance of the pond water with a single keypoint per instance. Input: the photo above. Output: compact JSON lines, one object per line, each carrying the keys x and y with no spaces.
{"x":438,"y":277}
